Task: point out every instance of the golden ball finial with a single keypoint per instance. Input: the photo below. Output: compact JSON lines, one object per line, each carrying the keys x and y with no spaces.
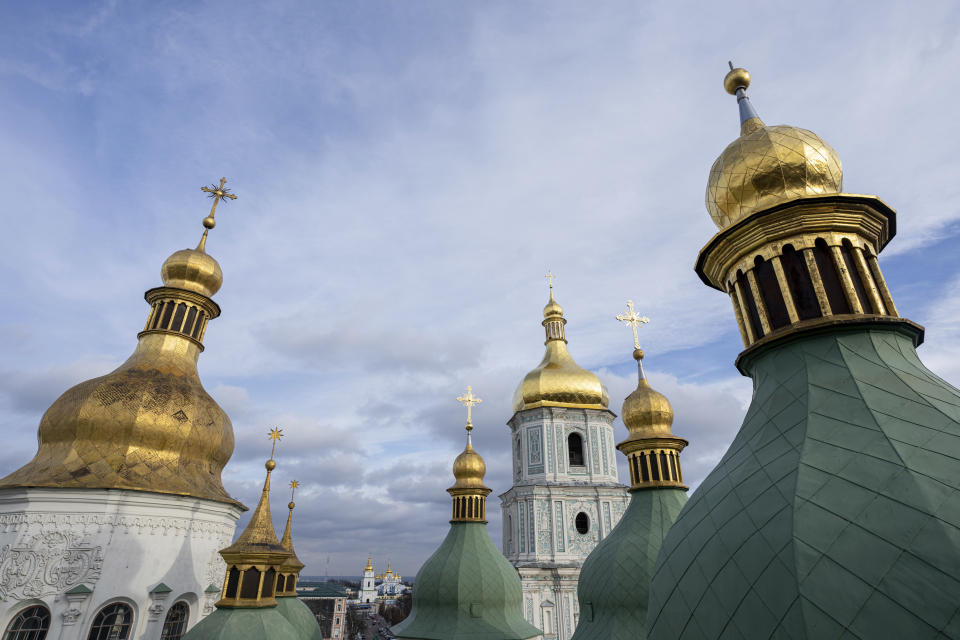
{"x":638,"y":354}
{"x":209,"y":222}
{"x":291,"y":505}
{"x":271,"y":465}
{"x":735,"y":79}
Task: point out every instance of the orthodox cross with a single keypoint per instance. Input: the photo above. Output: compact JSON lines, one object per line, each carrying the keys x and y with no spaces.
{"x":218,"y":194}
{"x":631,"y":318}
{"x":550,"y":278}
{"x":468,"y":400}
{"x":293,"y":487}
{"x":275,"y":434}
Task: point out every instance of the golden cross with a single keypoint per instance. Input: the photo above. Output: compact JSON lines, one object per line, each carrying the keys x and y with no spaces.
{"x":468,"y":399}
{"x":550,"y":278}
{"x":218,"y":193}
{"x":275,"y":434}
{"x":631,"y":318}
{"x":293,"y":487}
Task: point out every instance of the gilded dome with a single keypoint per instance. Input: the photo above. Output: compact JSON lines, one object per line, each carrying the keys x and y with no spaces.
{"x":149,"y":425}
{"x":767,"y":165}
{"x":194,"y":270}
{"x":646,"y":413}
{"x":469,"y":469}
{"x":558,"y":381}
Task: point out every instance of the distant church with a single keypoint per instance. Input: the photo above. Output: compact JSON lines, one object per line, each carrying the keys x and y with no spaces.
{"x":566,"y":496}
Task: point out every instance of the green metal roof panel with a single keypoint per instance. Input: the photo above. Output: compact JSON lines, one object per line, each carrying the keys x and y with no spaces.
{"x":300,"y":617}
{"x":161,"y":588}
{"x":245,"y":624}
{"x":80,"y":588}
{"x":836,"y":510}
{"x":615,"y":578}
{"x":466,"y":590}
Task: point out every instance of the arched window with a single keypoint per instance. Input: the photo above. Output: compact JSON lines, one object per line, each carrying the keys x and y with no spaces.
{"x":30,"y":624}
{"x":113,"y":622}
{"x":176,"y":623}
{"x":575,"y":449}
{"x":582,"y":522}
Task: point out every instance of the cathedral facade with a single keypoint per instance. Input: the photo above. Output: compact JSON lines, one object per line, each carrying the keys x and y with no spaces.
{"x":566,"y":496}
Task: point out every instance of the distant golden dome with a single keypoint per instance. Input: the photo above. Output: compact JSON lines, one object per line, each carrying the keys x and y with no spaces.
{"x":646,"y":413}
{"x":193,"y":270}
{"x":767,"y":165}
{"x":558,"y":381}
{"x":469,"y":469}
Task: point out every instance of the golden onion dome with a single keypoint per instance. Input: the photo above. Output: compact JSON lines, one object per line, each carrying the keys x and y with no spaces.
{"x":194,"y":270}
{"x":646,"y":413}
{"x":558,"y":381}
{"x":469,"y":469}
{"x":767,"y":165}
{"x":149,"y":425}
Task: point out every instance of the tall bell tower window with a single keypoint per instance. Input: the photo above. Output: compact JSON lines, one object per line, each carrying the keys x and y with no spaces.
{"x":575,"y":449}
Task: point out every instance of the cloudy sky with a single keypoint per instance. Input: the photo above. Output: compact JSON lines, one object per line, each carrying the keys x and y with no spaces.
{"x":407,"y":172}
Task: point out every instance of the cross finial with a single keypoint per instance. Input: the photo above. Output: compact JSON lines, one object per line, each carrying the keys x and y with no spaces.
{"x":468,"y":400}
{"x":218,"y":193}
{"x":293,"y":487}
{"x":549,"y":276}
{"x":275,"y":434}
{"x":634,"y":320}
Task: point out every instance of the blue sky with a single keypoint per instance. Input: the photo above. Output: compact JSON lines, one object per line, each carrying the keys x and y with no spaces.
{"x":406,"y":173}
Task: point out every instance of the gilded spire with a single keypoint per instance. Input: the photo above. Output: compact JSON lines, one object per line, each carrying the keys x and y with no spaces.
{"x":291,"y":567}
{"x":255,"y":558}
{"x":218,"y":193}
{"x":653,"y":452}
{"x":469,"y":493}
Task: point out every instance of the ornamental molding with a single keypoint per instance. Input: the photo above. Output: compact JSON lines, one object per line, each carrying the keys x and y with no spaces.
{"x":46,"y":564}
{"x":25,"y":522}
{"x":70,"y":616}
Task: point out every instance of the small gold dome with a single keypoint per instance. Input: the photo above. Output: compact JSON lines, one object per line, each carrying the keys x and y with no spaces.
{"x":469,"y":469}
{"x":646,"y":412}
{"x":193,"y":270}
{"x":767,"y":165}
{"x":552,"y":308}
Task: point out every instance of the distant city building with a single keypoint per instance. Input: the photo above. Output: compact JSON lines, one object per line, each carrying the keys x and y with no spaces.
{"x":328,"y":602}
{"x":390,"y":586}
{"x":368,"y":584}
{"x":566,"y":496}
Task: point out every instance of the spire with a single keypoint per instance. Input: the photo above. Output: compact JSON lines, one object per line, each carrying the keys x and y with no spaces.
{"x":653,"y":452}
{"x":291,"y":567}
{"x":553,"y":320}
{"x":469,"y":493}
{"x":736,"y":83}
{"x":218,"y":193}
{"x":245,"y":585}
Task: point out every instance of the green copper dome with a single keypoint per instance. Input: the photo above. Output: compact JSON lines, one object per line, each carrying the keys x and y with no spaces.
{"x":245,"y":624}
{"x":300,"y":617}
{"x":466,"y":590}
{"x":836,"y":510}
{"x":615,"y":578}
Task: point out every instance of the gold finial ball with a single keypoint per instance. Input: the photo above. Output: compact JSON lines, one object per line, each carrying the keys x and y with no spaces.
{"x":271,"y":465}
{"x":209,"y":222}
{"x":291,"y":505}
{"x":735,"y":79}
{"x":638,"y":354}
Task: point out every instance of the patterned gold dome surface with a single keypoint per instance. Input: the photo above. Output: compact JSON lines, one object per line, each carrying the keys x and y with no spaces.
{"x":469,"y":469}
{"x":193,"y":270}
{"x":768,"y":166}
{"x":149,"y":425}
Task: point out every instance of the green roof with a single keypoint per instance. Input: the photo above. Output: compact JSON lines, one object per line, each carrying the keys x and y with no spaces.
{"x":615,"y":579}
{"x":161,"y":588}
{"x":836,"y":510}
{"x":212,"y":588}
{"x":80,"y":588}
{"x":300,"y":617}
{"x":245,"y":624}
{"x":466,"y":590}
{"x":324,"y":590}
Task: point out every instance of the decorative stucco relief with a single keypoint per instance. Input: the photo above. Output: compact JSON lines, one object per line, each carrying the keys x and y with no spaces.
{"x":47,"y":564}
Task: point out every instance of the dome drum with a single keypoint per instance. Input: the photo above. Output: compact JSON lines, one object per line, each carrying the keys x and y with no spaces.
{"x":801,"y":261}
{"x":180,"y":312}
